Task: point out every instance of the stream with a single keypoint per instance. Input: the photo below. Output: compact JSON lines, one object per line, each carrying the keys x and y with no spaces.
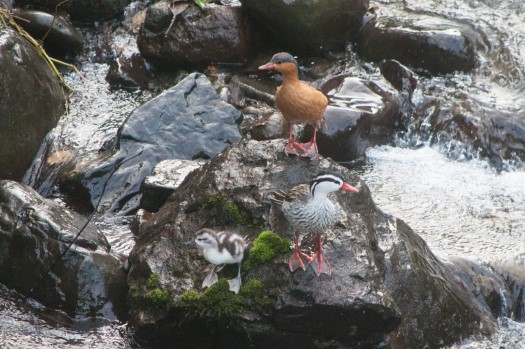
{"x":458,"y":204}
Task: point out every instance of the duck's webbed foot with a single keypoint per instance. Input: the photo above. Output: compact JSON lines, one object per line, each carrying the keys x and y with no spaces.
{"x":310,"y":150}
{"x":210,"y":279}
{"x":294,"y":148}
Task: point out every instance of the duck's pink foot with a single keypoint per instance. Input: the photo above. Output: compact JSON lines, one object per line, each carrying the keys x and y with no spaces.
{"x":298,"y":260}
{"x":293,"y":148}
{"x":310,"y":150}
{"x":320,"y":264}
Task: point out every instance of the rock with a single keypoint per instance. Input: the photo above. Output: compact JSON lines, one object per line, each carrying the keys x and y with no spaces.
{"x":80,"y":10}
{"x":197,"y":37}
{"x":31,"y":95}
{"x":430,"y":44}
{"x":306,"y":26}
{"x":61,"y":37}
{"x":468,"y":126}
{"x":34,"y":232}
{"x":385,"y":280}
{"x":402,"y":78}
{"x":187,"y":121}
{"x":166,"y":176}
{"x":129,"y":69}
{"x":360,"y":115}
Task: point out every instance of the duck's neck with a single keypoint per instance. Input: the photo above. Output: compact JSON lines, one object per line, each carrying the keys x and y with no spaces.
{"x":290,"y":76}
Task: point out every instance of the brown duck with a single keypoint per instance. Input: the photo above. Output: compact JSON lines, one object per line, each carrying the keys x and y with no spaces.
{"x":298,"y":103}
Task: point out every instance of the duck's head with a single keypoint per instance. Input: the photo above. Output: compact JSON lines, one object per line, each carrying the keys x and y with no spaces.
{"x":206,"y":238}
{"x":282,"y":62}
{"x":326,"y":183}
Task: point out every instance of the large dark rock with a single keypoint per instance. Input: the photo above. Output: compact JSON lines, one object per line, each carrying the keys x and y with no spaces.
{"x":80,"y":10}
{"x":384,"y":276}
{"x":360,"y":115}
{"x":198,"y":37}
{"x":34,"y":233}
{"x":431,"y":44}
{"x":306,"y":26}
{"x":188,"y":121}
{"x":32,"y":101}
{"x":59,"y":36}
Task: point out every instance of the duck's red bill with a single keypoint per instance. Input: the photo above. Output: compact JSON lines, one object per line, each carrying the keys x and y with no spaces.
{"x":349,"y":188}
{"x":267,"y":66}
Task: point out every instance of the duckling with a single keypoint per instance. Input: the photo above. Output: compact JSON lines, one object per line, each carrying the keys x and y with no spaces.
{"x":298,"y":103}
{"x":221,"y":248}
{"x":308,"y":208}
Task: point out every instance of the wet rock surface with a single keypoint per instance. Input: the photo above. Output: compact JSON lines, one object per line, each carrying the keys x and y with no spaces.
{"x":361,"y":115}
{"x":430,"y":44}
{"x":187,"y":121}
{"x":59,"y":36}
{"x":174,"y":39}
{"x":31,"y":95}
{"x":383,"y":273}
{"x":310,"y":26}
{"x":80,"y":10}
{"x":34,"y":233}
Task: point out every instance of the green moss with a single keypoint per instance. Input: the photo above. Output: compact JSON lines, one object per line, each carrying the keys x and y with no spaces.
{"x":265,"y":247}
{"x":152,"y":295}
{"x":158,"y":297}
{"x":229,"y":210}
{"x":219,"y":302}
{"x":153,"y":281}
{"x":253,"y":290}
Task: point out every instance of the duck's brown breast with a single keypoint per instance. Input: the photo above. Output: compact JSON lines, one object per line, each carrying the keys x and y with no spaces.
{"x":299,"y":102}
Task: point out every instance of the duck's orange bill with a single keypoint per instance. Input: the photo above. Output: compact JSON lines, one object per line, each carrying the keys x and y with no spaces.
{"x":349,"y":188}
{"x":267,"y":66}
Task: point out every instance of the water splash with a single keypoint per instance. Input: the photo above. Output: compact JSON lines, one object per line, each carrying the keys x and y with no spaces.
{"x":460,"y":208}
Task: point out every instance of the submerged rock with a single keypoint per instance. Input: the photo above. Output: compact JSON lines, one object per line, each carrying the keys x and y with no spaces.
{"x":32,"y":101}
{"x":171,"y":38}
{"x":306,"y":26}
{"x":385,"y":280}
{"x":34,"y":233}
{"x":187,"y":121}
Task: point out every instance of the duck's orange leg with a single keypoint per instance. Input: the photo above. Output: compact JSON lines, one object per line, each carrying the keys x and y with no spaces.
{"x":293,"y":147}
{"x":310,"y":149}
{"x":318,"y":261}
{"x":298,"y":258}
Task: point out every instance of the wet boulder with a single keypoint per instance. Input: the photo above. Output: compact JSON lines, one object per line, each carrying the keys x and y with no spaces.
{"x":35,"y":234}
{"x":360,"y":115}
{"x":386,"y":287}
{"x":187,"y":121}
{"x":306,"y":26}
{"x":429,"y":44}
{"x":31,"y":104}
{"x":166,"y":176}
{"x":468,"y":125}
{"x":184,"y":34}
{"x":80,"y":10}
{"x":59,"y":36}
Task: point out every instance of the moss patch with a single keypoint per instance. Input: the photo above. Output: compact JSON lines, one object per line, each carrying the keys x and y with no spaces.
{"x":154,"y":296}
{"x":230,"y":210}
{"x":265,"y":247}
{"x":219,"y":302}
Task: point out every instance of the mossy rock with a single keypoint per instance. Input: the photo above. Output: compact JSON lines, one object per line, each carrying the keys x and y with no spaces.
{"x":231,"y":211}
{"x":220,"y":303}
{"x":267,"y":245}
